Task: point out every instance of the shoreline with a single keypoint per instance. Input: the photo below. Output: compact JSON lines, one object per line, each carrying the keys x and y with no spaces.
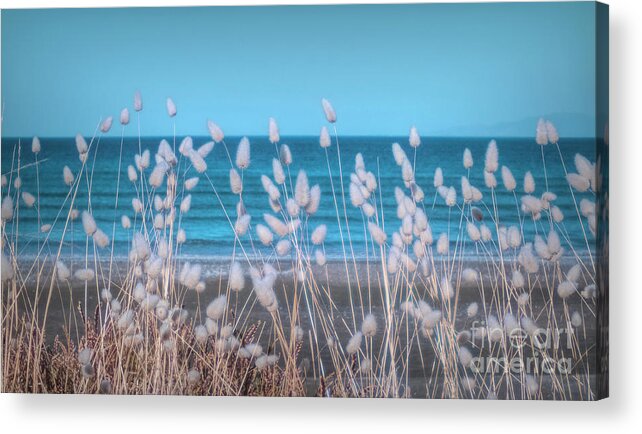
{"x":218,"y":266}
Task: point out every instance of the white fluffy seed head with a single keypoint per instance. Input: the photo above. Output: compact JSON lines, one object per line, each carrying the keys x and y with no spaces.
{"x":138,"y":101}
{"x":141,"y":246}
{"x":190,"y":183}
{"x":578,"y":182}
{"x":319,"y":234}
{"x":438,"y":179}
{"x":490,"y":180}
{"x":468,"y":159}
{"x":190,"y":275}
{"x":205,"y":149}
{"x":472,"y":310}
{"x":557,"y":214}
{"x":554,"y":243}
{"x":354,"y":343}
{"x":541,"y":248}
{"x":522,"y":299}
{"x":273,"y":130}
{"x":328,"y":110}
{"x":398,"y":154}
{"x":492,"y":157}
{"x":369,"y":326}
{"x":62,"y":272}
{"x":547,"y":198}
{"x":157,"y":176}
{"x":276,"y":204}
{"x":315,"y":200}
{"x":566,"y":289}
{"x":270,"y":188}
{"x":283,"y":247}
{"x":142,"y":161}
{"x":574,"y":273}
{"x":186,"y":146}
{"x":186,"y":204}
{"x":451,"y":197}
{"x":531,"y":204}
{"x":486,"y":235}
{"x":242,"y":224}
{"x":88,"y":223}
{"x":124,"y":116}
{"x":277,"y":171}
{"x":28,"y":198}
{"x":201,"y":334}
{"x":171,"y":107}
{"x":236,"y":279}
{"x":153,"y":266}
{"x":518,"y":279}
{"x":216,"y":309}
{"x":101,"y":239}
{"x":356,"y":198}
{"x":285,"y":154}
{"x":508,"y":179}
{"x":529,"y":183}
{"x":443,"y":245}
{"x":587,"y":207}
{"x":465,"y":357}
{"x":551,"y":133}
{"x":132,"y":174}
{"x":67,"y":175}
{"x":407,"y":173}
{"x":81,"y":144}
{"x":181,"y":236}
{"x":105,"y":126}
{"x":216,"y":133}
{"x":35,"y":145}
{"x":265,"y":235}
{"x":514,"y":237}
{"x":276,"y":224}
{"x":576,"y":319}
{"x":378,"y":235}
{"x":84,"y":274}
{"x":292,"y":207}
{"x":197,"y":161}
{"x":324,"y":138}
{"x":527,"y":259}
{"x":466,"y":189}
{"x":319,"y":257}
{"x":302,"y":189}
{"x":137,"y":205}
{"x":236,"y":184}
{"x":243,"y":154}
{"x":473,"y":232}
{"x":414,"y":138}
{"x":584,"y":167}
{"x":541,"y":138}
{"x":165,"y":154}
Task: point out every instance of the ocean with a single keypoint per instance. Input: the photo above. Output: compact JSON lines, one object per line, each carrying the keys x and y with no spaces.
{"x":209,"y":235}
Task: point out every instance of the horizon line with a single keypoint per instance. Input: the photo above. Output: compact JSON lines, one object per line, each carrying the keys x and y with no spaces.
{"x":235,"y":136}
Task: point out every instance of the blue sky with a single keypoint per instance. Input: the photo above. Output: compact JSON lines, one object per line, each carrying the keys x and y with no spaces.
{"x":458,"y":69}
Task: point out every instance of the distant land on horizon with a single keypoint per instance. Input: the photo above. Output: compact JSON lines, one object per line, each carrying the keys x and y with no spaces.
{"x":568,"y":125}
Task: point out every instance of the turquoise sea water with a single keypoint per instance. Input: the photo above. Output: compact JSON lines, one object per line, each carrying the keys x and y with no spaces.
{"x":209,"y":234}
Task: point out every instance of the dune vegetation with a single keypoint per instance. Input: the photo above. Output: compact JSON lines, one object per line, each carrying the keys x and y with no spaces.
{"x":274,"y":326}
